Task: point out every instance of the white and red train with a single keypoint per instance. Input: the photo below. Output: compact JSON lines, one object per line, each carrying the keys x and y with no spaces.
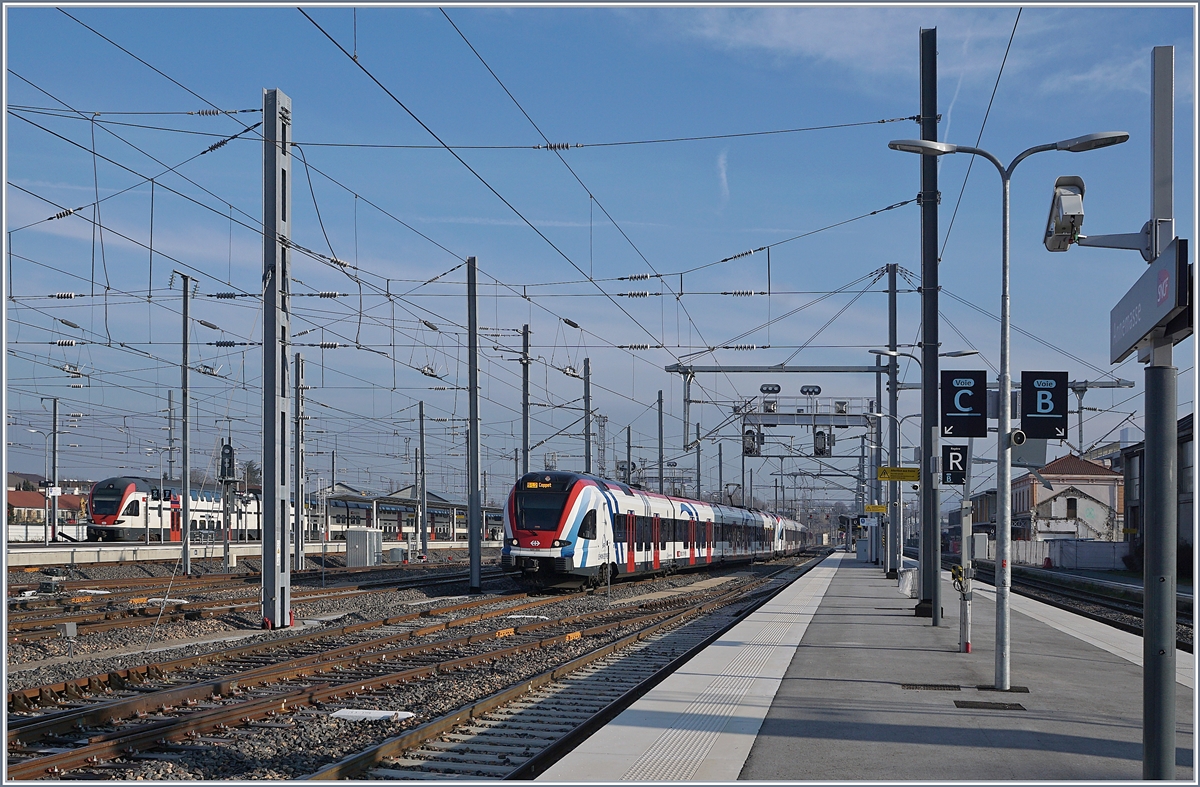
{"x":569,"y":526}
{"x":132,"y":508}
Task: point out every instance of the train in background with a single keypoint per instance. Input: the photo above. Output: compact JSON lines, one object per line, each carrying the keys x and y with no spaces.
{"x":140,"y":509}
{"x":562,"y":527}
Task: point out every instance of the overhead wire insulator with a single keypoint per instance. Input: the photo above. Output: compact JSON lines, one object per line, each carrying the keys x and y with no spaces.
{"x":62,"y":214}
{"x":328,"y":345}
{"x":223,"y":295}
{"x":64,"y":343}
{"x":572,"y":323}
{"x":633,"y":346}
{"x":327,"y":294}
{"x":635,"y":277}
{"x":636,"y":294}
{"x":429,"y":325}
{"x":224,"y":343}
{"x":740,"y":347}
{"x":740,"y":293}
{"x":207,"y":112}
{"x":64,"y":296}
{"x":556,"y":146}
{"x":342,"y":263}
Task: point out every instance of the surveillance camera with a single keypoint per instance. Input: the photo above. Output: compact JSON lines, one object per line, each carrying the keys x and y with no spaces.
{"x":916,"y":487}
{"x":1018,"y":438}
{"x":1066,"y":213}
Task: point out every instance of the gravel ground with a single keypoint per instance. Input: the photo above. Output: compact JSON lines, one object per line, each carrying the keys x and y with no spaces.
{"x":315,"y":740}
{"x":123,"y":648}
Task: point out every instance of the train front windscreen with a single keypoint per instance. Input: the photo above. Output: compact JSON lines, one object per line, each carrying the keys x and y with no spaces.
{"x":105,"y":502}
{"x":539,"y":504}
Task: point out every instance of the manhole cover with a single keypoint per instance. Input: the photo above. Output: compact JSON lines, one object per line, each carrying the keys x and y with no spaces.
{"x":988,"y":705}
{"x":930,"y":687}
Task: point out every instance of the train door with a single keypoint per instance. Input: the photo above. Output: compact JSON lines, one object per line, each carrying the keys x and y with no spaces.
{"x":708,"y":542}
{"x":176,"y":519}
{"x":691,"y":525}
{"x":630,"y":542}
{"x":654,"y":531}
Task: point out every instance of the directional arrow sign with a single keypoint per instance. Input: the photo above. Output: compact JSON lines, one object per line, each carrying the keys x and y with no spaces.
{"x":954,"y":465}
{"x":964,"y":404}
{"x":1044,"y":405}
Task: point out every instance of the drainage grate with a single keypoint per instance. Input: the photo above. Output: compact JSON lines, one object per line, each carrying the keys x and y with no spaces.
{"x":988,"y":705}
{"x":930,"y":687}
{"x":1011,"y":689}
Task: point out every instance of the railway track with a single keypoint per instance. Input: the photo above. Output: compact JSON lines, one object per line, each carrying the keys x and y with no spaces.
{"x":1119,"y":607}
{"x":183,"y":713}
{"x":36,"y":624}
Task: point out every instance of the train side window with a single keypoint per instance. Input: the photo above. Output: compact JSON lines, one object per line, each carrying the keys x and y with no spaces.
{"x":619,"y":529}
{"x":155,"y":494}
{"x":588,"y":527}
{"x":133,"y":509}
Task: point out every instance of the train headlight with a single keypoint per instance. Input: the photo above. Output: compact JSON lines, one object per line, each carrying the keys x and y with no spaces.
{"x":512,"y":542}
{"x":560,"y":543}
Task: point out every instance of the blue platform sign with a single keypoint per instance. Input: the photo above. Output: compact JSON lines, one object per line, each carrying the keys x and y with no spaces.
{"x":1044,"y":405}
{"x":1155,"y":300}
{"x":964,"y":403}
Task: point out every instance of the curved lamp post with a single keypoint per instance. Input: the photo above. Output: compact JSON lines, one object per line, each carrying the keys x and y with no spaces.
{"x":1087,"y":142}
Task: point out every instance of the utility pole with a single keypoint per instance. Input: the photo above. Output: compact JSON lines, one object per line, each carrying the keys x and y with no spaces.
{"x":51,"y":532}
{"x":720,"y":472}
{"x":423,"y":493}
{"x":525,"y":361}
{"x":930,"y":605}
{"x":697,"y":461}
{"x":601,"y":469}
{"x":276,"y":484}
{"x":587,"y":415}
{"x":629,"y":454}
{"x":516,"y":465}
{"x":474,"y":504}
{"x":660,"y":443}
{"x":186,"y":463}
{"x":298,"y":462}
{"x":896,"y":525}
{"x":1161,"y":536}
{"x":882,"y":550}
{"x":171,"y":432}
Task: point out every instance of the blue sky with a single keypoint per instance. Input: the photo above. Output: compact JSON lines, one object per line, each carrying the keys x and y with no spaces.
{"x":585,"y":77}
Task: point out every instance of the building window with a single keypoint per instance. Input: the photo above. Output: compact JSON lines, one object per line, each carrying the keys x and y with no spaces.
{"x":1072,"y":508}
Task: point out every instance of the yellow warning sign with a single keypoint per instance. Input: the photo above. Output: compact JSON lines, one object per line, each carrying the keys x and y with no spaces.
{"x":874,"y":509}
{"x":899,"y":474}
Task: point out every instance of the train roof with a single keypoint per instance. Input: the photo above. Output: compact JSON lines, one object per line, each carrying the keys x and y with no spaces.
{"x":566,"y":478}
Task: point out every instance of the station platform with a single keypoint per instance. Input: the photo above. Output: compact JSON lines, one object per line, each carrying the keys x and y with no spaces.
{"x":836,"y":679}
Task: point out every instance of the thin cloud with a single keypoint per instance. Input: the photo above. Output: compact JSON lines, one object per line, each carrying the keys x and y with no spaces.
{"x":723,"y":175}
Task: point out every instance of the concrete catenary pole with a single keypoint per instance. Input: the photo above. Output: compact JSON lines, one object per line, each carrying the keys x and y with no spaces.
{"x":525,"y":361}
{"x":423,"y":487}
{"x":171,"y":433}
{"x":930,"y":604}
{"x":276,"y":482}
{"x":660,"y":442}
{"x":185,"y":454}
{"x":896,"y":526}
{"x":698,"y":461}
{"x":298,"y":464}
{"x":587,"y":415}
{"x":474,"y":503}
{"x":54,"y":469}
{"x":629,"y":454}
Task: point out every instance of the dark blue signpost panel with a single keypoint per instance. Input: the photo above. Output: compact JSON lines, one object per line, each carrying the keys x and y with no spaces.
{"x":964,"y":403}
{"x":1044,"y":405}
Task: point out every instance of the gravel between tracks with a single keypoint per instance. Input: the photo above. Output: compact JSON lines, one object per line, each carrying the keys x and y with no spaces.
{"x":122,"y":648}
{"x":314,"y":739}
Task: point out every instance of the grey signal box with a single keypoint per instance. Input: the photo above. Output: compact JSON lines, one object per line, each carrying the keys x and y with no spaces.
{"x":1044,"y":405}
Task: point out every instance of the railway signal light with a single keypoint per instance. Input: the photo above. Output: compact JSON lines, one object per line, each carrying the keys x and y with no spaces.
{"x":810,"y":390}
{"x":750,"y":443}
{"x":820,"y":444}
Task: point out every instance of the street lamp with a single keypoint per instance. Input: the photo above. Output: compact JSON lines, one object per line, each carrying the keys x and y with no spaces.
{"x":46,"y":511}
{"x":1003,"y":447}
